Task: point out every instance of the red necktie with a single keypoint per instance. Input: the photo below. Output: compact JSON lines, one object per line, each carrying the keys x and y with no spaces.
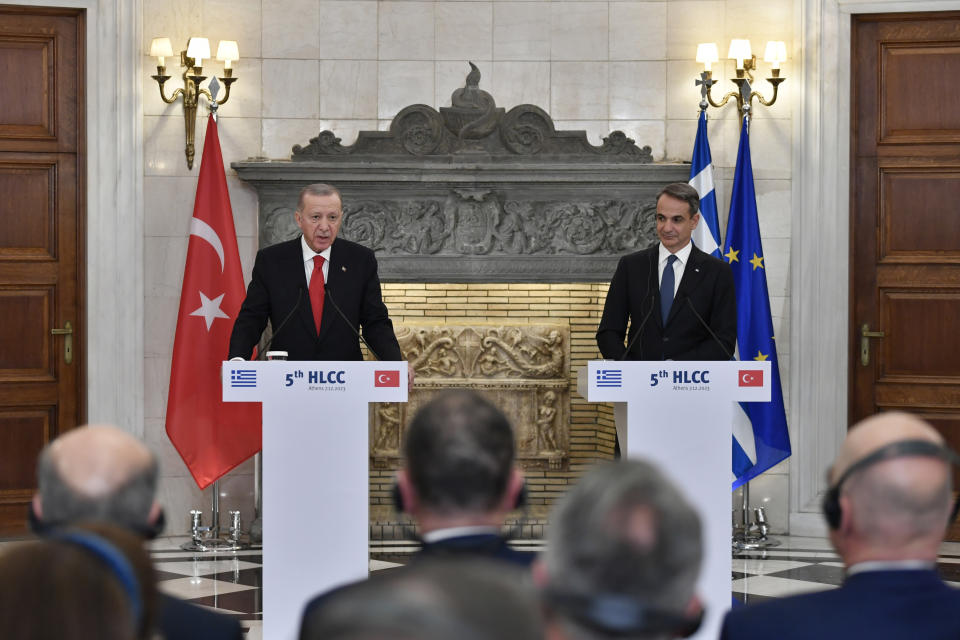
{"x":316,"y":291}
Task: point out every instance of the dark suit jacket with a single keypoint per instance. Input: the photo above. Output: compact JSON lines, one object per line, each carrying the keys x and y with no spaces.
{"x":279,"y":289}
{"x":179,"y":620}
{"x":880,"y":605}
{"x":634,"y":294}
{"x":479,"y":545}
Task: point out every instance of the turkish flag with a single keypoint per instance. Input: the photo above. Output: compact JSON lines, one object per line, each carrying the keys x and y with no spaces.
{"x":386,"y":378}
{"x":211,"y":436}
{"x":751,"y":377}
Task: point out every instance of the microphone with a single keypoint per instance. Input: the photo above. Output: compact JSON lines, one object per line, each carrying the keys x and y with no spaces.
{"x":639,"y":331}
{"x":261,"y":356}
{"x":343,"y":316}
{"x":707,"y":327}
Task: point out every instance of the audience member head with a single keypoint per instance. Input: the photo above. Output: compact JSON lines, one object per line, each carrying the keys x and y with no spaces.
{"x":622,"y":558}
{"x":890,"y":494}
{"x":88,"y":581}
{"x":431,"y":600}
{"x":458,"y":463}
{"x":97,"y":472}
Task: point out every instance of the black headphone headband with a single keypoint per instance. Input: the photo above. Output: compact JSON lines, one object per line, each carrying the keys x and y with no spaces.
{"x":617,"y":615}
{"x":900,"y":449}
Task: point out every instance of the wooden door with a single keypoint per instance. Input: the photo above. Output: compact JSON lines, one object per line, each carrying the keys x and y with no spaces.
{"x":41,"y":242}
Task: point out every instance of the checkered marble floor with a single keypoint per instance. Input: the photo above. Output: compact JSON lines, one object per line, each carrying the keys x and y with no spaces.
{"x":230,"y":582}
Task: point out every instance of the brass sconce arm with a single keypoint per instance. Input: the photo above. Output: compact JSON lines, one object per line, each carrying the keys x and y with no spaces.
{"x":746,"y":65}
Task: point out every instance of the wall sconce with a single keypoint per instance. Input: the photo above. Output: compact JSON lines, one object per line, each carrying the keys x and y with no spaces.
{"x":707,"y":54}
{"x":191,"y":60}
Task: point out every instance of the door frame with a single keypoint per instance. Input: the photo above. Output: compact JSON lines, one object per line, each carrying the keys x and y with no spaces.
{"x":113,"y":197}
{"x":820,"y":256}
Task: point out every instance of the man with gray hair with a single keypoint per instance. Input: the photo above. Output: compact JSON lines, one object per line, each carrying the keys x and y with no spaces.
{"x":622,"y":559}
{"x":102,"y":473}
{"x":887,"y":508}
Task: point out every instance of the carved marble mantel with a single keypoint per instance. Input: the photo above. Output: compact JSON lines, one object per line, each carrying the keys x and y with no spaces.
{"x":475,"y":193}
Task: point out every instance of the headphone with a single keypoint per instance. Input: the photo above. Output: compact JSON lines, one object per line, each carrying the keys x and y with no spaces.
{"x":114,"y":560}
{"x":400,"y":507}
{"x":831,"y":501}
{"x":618,"y":615}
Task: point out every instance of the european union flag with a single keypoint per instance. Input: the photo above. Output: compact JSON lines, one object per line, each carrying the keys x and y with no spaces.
{"x":758,"y":448}
{"x":707,"y":234}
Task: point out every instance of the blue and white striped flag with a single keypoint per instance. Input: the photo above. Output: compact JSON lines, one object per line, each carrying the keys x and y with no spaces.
{"x":707,"y":234}
{"x":760,"y":438}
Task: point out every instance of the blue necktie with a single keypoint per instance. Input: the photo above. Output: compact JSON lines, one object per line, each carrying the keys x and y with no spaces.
{"x":666,"y":289}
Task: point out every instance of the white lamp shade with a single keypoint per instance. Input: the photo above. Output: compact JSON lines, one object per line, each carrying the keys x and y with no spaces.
{"x":707,"y":53}
{"x":160,"y":48}
{"x":198,"y":49}
{"x":775,"y":53}
{"x":739,"y":50}
{"x":227,"y":51}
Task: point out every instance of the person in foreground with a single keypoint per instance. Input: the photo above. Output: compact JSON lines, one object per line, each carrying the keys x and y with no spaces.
{"x":888,"y":509}
{"x":678,"y":300}
{"x":622,"y":559}
{"x":317,"y":291}
{"x":435,"y":599}
{"x":101,"y":473}
{"x":458,"y":478}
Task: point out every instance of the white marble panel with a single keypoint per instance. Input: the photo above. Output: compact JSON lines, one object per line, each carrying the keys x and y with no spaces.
{"x":174,"y":19}
{"x":238,"y":20}
{"x":464,"y":31}
{"x":680,"y":135}
{"x":164,"y":259}
{"x":770,"y":144}
{"x":650,"y":133}
{"x":239,"y":140}
{"x":596,"y":130}
{"x":236,"y":493}
{"x":516,"y":82}
{"x":171,"y":466}
{"x":153,"y":104}
{"x":579,"y":31}
{"x":280,"y":134}
{"x":168,"y":205}
{"x":291,"y":88}
{"x":638,"y":90}
{"x":291,"y":29}
{"x":348,"y":88}
{"x":247,"y":248}
{"x":244,"y":202}
{"x":156,"y":373}
{"x":579,"y":91}
{"x":521,"y":31}
{"x":683,"y":94}
{"x":772,"y":492}
{"x":776,"y":262}
{"x":759,"y":21}
{"x":348,"y":30}
{"x":404,"y":83}
{"x":774,"y":207}
{"x":452,"y":75}
{"x":406,"y":30}
{"x":638,"y":30}
{"x":164,"y":140}
{"x":178,"y":494}
{"x":690,"y":22}
{"x":245,"y":95}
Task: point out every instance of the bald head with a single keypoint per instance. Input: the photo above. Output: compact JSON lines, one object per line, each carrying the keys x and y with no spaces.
{"x":97,"y":472}
{"x":899,"y":504}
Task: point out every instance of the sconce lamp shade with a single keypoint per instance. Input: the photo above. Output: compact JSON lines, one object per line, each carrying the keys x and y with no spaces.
{"x":227,"y":52}
{"x":160,"y":48}
{"x":199,"y":50}
{"x":707,"y":54}
{"x":739,"y":51}
{"x":776,"y":53}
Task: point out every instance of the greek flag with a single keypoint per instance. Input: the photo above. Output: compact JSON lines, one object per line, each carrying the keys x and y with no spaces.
{"x":760,"y":438}
{"x":707,"y":234}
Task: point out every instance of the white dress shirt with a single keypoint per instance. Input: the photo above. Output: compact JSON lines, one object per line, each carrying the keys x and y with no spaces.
{"x":678,"y":265}
{"x":308,"y":255}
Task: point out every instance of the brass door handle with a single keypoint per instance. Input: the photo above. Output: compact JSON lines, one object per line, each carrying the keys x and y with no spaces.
{"x":865,"y":335}
{"x":67,"y":333}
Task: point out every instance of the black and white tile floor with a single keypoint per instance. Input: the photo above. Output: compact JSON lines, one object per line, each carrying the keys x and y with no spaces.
{"x":230,"y":582}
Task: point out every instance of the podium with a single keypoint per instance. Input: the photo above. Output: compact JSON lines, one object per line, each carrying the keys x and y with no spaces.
{"x":679,"y":414}
{"x":315,"y":473}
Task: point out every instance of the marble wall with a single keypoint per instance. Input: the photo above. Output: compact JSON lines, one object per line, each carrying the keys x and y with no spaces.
{"x":309,"y":65}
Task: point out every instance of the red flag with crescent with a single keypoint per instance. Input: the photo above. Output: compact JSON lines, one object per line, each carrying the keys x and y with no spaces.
{"x":211,"y":436}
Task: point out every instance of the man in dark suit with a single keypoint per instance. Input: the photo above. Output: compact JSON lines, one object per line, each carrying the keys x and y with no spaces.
{"x":303,"y":285}
{"x":101,"y":473}
{"x":888,"y":509}
{"x":678,"y":300}
{"x":459,"y":480}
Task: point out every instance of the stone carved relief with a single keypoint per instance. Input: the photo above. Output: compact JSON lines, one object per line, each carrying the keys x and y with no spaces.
{"x":473,"y":124}
{"x":523,"y":369}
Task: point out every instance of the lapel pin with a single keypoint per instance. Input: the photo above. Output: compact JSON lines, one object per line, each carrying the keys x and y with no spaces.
{"x":344,"y":269}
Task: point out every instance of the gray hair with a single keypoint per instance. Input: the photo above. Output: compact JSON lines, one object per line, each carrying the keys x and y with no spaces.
{"x":625,"y":530}
{"x":127,"y":505}
{"x":682,"y":191}
{"x":318,"y":189}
